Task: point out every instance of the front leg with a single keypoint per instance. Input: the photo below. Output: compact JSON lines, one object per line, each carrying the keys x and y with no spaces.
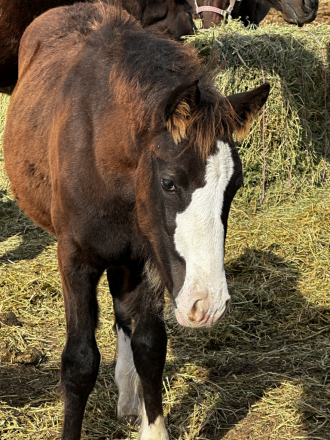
{"x":134,"y":299}
{"x":149,"y":343}
{"x":80,"y":357}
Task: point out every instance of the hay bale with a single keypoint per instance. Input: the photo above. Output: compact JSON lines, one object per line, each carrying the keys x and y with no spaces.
{"x":295,"y":62}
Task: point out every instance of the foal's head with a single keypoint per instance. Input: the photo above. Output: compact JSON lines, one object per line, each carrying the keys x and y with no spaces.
{"x":186,"y":180}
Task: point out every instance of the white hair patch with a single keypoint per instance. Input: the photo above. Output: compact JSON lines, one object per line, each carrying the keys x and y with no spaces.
{"x":199,"y":238}
{"x":126,"y":378}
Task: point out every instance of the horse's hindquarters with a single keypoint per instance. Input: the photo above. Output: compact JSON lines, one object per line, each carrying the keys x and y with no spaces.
{"x":26,"y":163}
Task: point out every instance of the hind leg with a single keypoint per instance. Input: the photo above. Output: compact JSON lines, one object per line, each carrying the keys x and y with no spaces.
{"x":123,"y":281}
{"x":127,"y":380}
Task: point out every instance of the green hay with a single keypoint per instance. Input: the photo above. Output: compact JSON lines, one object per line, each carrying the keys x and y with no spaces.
{"x":292,"y":63}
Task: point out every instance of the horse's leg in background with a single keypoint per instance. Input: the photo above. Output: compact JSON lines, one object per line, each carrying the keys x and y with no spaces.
{"x":80,"y":357}
{"x":261,"y":11}
{"x":8,"y":90}
{"x":123,"y":282}
{"x":149,"y":342}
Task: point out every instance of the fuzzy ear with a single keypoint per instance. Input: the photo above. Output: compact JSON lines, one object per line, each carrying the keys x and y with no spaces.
{"x":246,"y":105}
{"x":178,"y":106}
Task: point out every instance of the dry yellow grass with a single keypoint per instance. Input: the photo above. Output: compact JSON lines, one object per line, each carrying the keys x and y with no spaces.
{"x":262,"y":373}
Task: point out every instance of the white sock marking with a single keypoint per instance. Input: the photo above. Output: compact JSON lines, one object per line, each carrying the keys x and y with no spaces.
{"x":126,"y":378}
{"x":155,"y":431}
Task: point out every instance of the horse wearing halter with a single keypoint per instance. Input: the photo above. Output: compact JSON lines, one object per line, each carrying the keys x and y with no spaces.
{"x":223,"y":12}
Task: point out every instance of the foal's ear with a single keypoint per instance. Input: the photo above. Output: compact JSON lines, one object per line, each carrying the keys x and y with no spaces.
{"x":246,"y":105}
{"x":178,"y":106}
{"x":186,"y":95}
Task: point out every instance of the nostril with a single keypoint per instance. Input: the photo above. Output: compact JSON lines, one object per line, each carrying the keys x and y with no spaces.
{"x":310,"y":4}
{"x":226,"y":308}
{"x":313,"y":3}
{"x":197,"y":311}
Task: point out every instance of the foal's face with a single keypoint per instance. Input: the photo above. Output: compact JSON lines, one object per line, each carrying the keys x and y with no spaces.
{"x":183,"y":201}
{"x":194,"y":198}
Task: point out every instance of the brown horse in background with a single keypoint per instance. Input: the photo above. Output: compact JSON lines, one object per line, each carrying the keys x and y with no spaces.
{"x":296,"y":12}
{"x":118,"y":143}
{"x":173,"y":17}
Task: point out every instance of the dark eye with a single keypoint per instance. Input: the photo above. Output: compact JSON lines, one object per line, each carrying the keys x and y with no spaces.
{"x":168,"y":185}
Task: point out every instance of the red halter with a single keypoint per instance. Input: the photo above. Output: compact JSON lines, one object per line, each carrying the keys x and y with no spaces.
{"x":219,"y":11}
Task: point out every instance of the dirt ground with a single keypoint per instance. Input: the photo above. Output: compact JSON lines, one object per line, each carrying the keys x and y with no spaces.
{"x":323,"y":15}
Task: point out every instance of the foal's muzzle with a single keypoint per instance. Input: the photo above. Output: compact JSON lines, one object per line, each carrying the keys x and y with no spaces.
{"x":200,"y":316}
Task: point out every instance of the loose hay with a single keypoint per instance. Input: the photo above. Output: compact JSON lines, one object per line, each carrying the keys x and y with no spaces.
{"x":262,"y":372}
{"x":296,"y":128}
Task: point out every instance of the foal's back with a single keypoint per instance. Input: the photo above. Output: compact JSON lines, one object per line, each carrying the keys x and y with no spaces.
{"x":65,"y":107}
{"x":62,"y":73}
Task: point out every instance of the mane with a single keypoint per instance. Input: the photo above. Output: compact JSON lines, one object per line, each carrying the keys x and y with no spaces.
{"x":139,"y":82}
{"x":108,"y":12}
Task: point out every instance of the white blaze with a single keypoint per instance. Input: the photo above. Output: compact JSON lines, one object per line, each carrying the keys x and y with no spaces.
{"x":199,"y":239}
{"x":126,"y":378}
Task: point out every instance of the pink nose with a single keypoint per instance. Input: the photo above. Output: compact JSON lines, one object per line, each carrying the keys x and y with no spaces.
{"x":199,"y":315}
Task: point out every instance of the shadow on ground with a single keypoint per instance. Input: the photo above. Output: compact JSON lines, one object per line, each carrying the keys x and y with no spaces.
{"x":271,"y":338}
{"x":25,"y":384}
{"x":31,"y":239}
